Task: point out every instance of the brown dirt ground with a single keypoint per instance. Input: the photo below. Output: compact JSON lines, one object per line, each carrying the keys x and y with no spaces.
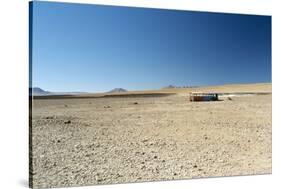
{"x":86,"y":141}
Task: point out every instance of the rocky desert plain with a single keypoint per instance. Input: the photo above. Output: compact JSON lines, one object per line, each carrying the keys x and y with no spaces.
{"x":156,"y":135}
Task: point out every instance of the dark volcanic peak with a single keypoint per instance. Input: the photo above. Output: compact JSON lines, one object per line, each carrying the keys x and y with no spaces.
{"x":117,"y":90}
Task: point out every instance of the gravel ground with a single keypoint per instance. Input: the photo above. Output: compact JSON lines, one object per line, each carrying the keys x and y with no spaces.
{"x":118,"y":140}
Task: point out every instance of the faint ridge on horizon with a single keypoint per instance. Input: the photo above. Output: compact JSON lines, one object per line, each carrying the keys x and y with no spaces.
{"x":174,"y":87}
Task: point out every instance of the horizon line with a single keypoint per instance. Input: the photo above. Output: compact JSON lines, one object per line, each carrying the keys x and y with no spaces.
{"x":164,"y":87}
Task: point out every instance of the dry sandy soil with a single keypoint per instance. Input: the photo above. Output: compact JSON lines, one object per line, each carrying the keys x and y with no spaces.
{"x":84,"y":141}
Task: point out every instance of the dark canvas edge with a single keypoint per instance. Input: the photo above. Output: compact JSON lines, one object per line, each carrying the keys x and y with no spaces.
{"x":30,"y":33}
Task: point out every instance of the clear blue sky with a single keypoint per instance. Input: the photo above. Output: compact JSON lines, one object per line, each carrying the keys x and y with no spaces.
{"x":78,"y":47}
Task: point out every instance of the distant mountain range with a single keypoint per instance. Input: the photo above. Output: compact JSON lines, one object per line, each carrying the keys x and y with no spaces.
{"x":118,"y":90}
{"x":36,"y":91}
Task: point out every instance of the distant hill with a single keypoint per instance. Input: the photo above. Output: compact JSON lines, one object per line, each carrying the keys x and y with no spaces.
{"x":36,"y":91}
{"x":118,"y":90}
{"x":169,"y":87}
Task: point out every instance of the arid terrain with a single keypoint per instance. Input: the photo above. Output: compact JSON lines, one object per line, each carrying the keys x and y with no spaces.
{"x":150,"y":136}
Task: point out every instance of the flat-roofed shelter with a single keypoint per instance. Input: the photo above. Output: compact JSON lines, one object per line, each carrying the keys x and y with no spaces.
{"x":197,"y":96}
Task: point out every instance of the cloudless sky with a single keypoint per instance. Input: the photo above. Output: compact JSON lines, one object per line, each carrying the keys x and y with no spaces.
{"x":94,"y":48}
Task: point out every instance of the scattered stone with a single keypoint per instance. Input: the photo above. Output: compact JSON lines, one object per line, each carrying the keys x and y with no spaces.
{"x":175,"y":174}
{"x":58,"y":141}
{"x":107,"y":106}
{"x":136,"y":103}
{"x":65,"y":105}
{"x":194,"y":166}
{"x":229,"y":98}
{"x":67,"y":122}
{"x":155,"y":157}
{"x":49,"y":117}
{"x":206,"y":138}
{"x":118,"y":175}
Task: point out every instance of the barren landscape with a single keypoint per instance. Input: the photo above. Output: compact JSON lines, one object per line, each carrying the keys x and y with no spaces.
{"x":150,"y":135}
